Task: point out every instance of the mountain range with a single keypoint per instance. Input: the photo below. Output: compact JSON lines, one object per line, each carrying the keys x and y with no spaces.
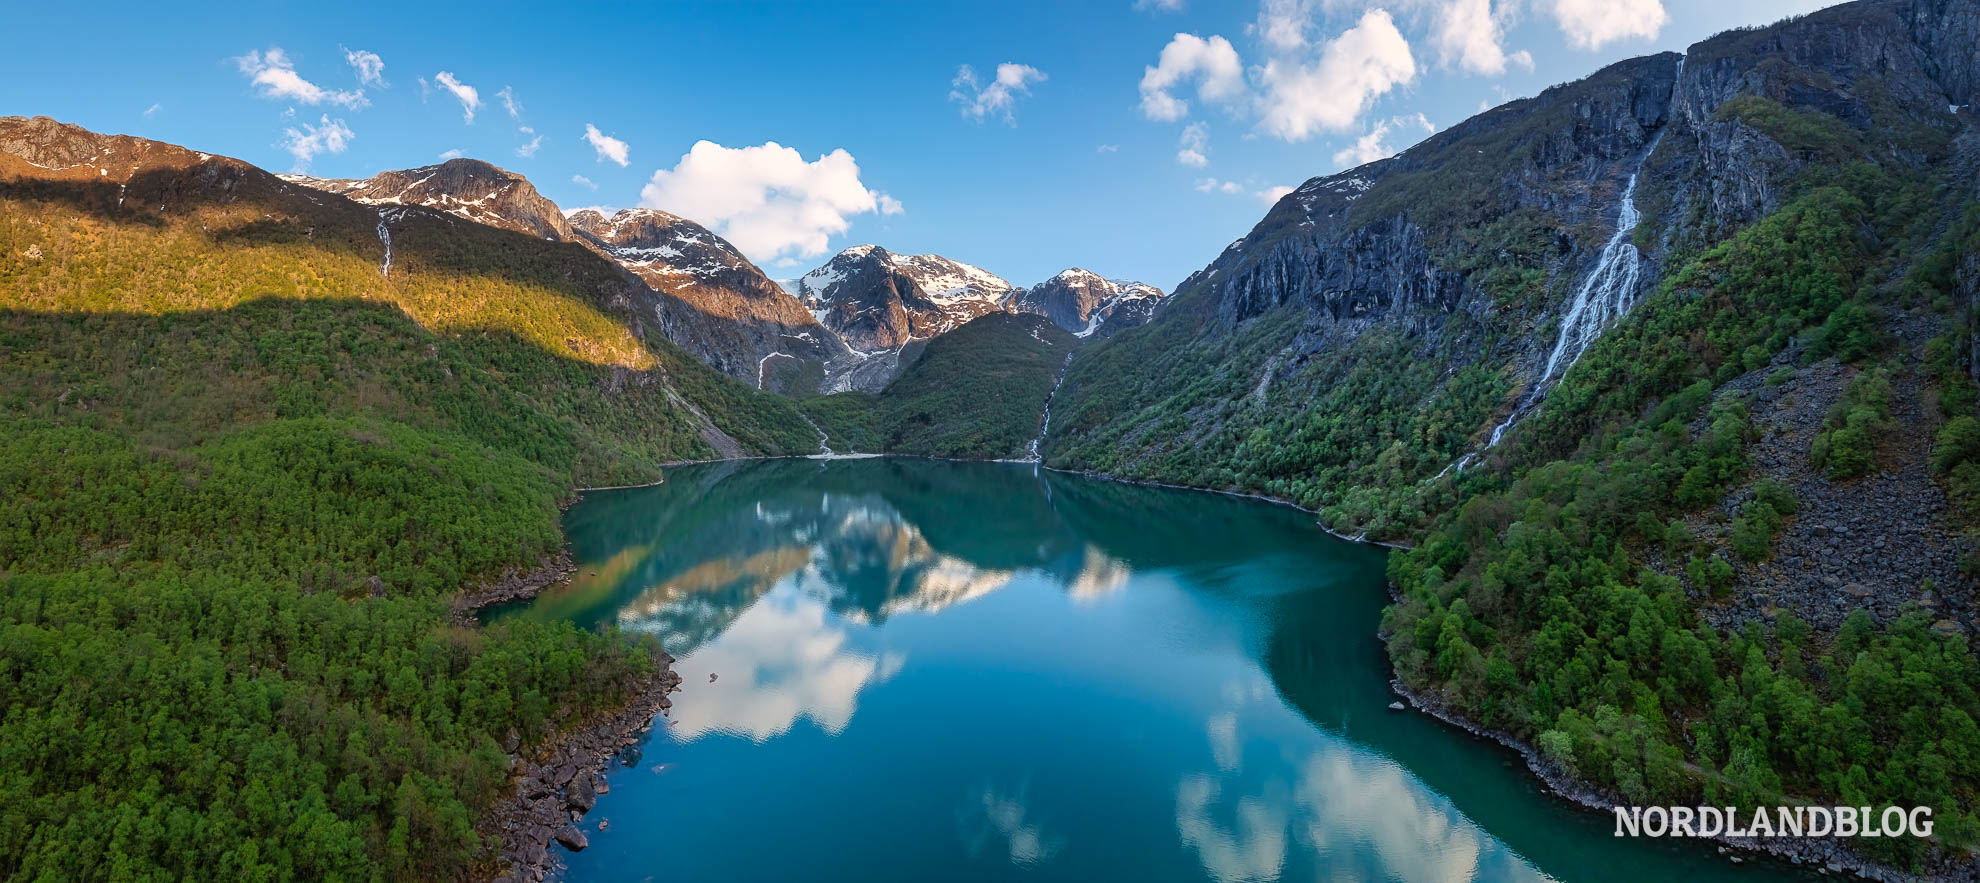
{"x":822,"y":334}
{"x":1664,"y":385}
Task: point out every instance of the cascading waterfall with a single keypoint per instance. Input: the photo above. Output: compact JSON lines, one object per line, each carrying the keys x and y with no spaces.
{"x":1608,"y":292}
{"x":1031,"y":451}
{"x":385,"y":236}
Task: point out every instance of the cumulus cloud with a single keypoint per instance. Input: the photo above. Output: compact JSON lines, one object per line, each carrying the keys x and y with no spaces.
{"x":470,"y":99}
{"x":1372,"y":146}
{"x":1210,"y":185}
{"x":455,"y":153}
{"x":307,"y":142}
{"x":607,"y":146}
{"x":1192,"y":148}
{"x":1282,"y":24}
{"x":583,"y":181}
{"x":509,"y":102}
{"x":1353,"y":69}
{"x":1213,"y":62}
{"x":369,"y":67}
{"x":890,"y":205}
{"x":529,"y":148}
{"x":999,"y":96}
{"x":766,"y":199}
{"x":1590,"y":24}
{"x":1468,"y":34}
{"x":274,"y":76}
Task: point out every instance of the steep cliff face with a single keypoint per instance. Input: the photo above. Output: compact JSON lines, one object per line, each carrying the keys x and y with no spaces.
{"x":1484,"y":248}
{"x":1086,"y":304}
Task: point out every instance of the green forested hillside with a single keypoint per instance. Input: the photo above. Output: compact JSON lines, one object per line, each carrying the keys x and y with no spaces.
{"x":1711,"y":564}
{"x":1553,"y":603}
{"x":976,"y":392}
{"x":246,"y":474}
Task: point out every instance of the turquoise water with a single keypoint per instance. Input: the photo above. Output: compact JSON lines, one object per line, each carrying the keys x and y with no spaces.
{"x":967,"y":671}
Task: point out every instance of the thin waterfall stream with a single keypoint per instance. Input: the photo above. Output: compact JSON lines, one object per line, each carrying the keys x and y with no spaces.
{"x":1608,"y":291}
{"x":1031,"y":451}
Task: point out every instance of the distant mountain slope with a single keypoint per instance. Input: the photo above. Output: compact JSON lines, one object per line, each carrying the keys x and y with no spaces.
{"x":710,"y":300}
{"x":729,"y":299}
{"x":979,"y":391}
{"x":879,"y":300}
{"x":1084,"y":303}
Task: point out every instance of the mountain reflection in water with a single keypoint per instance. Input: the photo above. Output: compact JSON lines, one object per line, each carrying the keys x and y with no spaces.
{"x":914,"y":670}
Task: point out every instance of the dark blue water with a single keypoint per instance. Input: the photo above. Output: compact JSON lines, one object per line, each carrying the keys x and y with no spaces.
{"x":951,"y":671}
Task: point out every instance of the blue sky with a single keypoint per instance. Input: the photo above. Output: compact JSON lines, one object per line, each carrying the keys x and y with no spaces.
{"x":1076,"y":155}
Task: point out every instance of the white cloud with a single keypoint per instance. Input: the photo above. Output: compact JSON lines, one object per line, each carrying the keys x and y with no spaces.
{"x":1353,"y":69}
{"x":1158,"y":5}
{"x":1272,"y":195}
{"x":583,"y":181}
{"x":607,"y":146}
{"x":274,"y":76}
{"x":1191,"y":147}
{"x":535,"y":142}
{"x":369,"y":67}
{"x":1371,"y":146}
{"x":509,"y":102}
{"x":1107,"y":148}
{"x":153,"y":110}
{"x":1212,"y":185}
{"x":1468,"y":35}
{"x":1187,"y":55}
{"x":330,"y":136}
{"x":890,"y":205}
{"x":1589,"y":24}
{"x":455,"y":153}
{"x":470,"y":99}
{"x":766,"y":199}
{"x":999,"y":97}
{"x":1282,"y":24}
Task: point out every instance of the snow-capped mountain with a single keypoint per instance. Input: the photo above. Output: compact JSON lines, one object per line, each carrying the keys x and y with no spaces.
{"x":877,"y":300}
{"x":1084,"y":303}
{"x":713,"y":302}
{"x":466,"y":188}
{"x":729,"y":295}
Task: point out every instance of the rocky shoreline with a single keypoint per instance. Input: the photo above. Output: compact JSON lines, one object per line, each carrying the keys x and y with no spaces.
{"x":514,"y":585}
{"x":1828,"y":855}
{"x":560,"y":781}
{"x":556,"y":783}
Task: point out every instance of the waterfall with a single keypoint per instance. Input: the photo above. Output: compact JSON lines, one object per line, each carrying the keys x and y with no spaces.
{"x":1031,"y":451}
{"x":385,"y":236}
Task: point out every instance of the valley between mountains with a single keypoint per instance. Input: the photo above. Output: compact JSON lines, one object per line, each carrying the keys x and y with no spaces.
{"x":1665,"y":384}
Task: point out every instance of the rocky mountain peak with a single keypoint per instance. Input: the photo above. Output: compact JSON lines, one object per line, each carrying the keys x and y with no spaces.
{"x":1086,"y":303}
{"x":467,"y":188}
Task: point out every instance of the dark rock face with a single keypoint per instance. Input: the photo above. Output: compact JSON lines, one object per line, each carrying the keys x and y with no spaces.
{"x":1085,"y":304}
{"x":877,"y":300}
{"x":1403,"y":243}
{"x":880,"y":303}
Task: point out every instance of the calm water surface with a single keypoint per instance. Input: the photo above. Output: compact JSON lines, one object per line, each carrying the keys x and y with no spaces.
{"x":956,"y":671}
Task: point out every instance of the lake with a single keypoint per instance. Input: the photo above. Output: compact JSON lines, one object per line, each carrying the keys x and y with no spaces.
{"x":903,"y":669}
